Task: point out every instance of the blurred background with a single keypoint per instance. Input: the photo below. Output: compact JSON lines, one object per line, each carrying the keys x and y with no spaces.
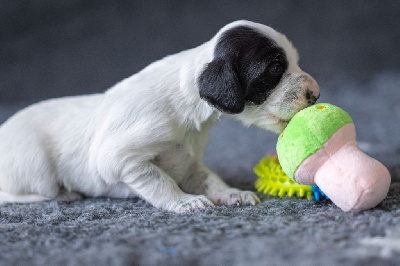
{"x":69,"y":47}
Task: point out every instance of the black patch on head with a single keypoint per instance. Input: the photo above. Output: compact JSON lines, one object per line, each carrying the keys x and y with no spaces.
{"x":246,"y":67}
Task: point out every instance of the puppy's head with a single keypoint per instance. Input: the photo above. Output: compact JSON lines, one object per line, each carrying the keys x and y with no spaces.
{"x":254,"y":75}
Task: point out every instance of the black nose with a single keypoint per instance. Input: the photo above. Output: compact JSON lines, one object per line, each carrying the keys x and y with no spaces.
{"x":311,"y":98}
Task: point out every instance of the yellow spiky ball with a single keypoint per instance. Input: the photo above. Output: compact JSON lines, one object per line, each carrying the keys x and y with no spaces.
{"x":272,"y":180}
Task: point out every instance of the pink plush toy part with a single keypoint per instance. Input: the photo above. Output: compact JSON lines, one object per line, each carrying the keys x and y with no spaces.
{"x":319,"y":147}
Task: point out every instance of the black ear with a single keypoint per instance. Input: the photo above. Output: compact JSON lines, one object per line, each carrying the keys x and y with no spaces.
{"x":219,"y":85}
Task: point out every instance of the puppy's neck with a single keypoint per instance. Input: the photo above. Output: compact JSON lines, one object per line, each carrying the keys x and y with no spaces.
{"x":170,"y":86}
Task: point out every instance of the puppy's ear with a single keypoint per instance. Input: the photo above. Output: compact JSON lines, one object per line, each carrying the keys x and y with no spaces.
{"x":219,"y":85}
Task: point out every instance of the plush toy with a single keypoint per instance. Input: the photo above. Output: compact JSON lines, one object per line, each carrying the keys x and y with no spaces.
{"x":318,"y":147}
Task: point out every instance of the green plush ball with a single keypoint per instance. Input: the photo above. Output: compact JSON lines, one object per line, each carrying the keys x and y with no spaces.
{"x":307,"y":132}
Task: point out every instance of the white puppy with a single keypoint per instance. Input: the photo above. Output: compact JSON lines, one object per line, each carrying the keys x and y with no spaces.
{"x":146,"y":135}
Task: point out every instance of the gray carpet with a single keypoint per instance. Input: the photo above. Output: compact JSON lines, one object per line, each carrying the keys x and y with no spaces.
{"x":131,"y":232}
{"x":57,"y":48}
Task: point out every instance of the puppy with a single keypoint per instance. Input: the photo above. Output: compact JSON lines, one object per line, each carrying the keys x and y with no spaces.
{"x":146,"y":135}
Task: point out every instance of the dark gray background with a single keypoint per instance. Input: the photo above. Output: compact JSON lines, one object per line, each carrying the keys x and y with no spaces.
{"x":69,"y":47}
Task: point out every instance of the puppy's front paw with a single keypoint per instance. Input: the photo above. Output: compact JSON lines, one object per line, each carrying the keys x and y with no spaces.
{"x":189,"y":203}
{"x":237,"y":197}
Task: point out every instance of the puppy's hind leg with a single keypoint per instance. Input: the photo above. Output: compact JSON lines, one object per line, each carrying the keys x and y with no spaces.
{"x":23,"y":198}
{"x":27,"y":167}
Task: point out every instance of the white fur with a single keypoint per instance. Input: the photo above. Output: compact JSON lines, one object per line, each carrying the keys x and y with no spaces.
{"x":143,"y":137}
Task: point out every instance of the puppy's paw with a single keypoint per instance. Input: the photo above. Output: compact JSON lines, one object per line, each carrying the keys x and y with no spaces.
{"x":189,"y":203}
{"x":237,"y":197}
{"x":68,"y":196}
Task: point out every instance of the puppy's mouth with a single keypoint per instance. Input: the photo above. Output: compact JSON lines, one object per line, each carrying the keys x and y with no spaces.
{"x":284,"y":121}
{"x":281,"y":122}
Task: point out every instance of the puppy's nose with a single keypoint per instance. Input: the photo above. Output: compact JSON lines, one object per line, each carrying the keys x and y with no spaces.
{"x":310,"y":88}
{"x":311,"y":97}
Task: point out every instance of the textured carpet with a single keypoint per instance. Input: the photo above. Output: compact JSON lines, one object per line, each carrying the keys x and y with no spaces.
{"x":129,"y":232}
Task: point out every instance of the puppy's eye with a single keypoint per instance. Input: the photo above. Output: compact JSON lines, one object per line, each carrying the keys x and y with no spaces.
{"x":276,"y":68}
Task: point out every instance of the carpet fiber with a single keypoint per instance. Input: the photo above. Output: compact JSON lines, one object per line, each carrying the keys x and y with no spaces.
{"x":128,"y":232}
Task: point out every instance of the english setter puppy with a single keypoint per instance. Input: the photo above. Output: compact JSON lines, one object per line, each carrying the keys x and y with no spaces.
{"x":146,"y":135}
